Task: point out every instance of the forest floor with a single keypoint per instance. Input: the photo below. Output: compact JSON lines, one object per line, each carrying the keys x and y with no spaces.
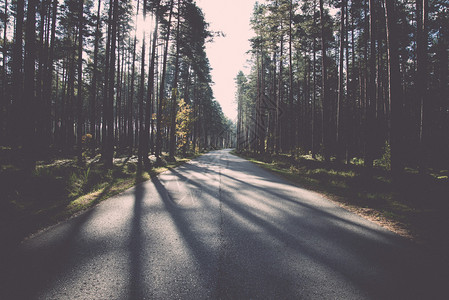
{"x":416,"y":208}
{"x":61,"y":188}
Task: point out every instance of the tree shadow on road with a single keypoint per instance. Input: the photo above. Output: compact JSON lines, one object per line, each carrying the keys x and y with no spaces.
{"x":335,"y":240}
{"x":136,"y":290}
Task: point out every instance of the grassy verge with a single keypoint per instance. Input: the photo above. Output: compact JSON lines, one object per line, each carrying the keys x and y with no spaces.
{"x":61,"y":188}
{"x":417,"y":207}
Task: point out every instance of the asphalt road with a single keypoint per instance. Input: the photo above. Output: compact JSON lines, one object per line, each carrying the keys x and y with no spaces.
{"x":219,"y":227}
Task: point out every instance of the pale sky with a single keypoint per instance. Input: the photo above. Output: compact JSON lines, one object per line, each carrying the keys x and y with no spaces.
{"x":227,"y":54}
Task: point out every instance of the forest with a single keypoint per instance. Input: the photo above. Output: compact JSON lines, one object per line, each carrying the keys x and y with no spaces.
{"x":84,"y":77}
{"x":349,"y":81}
{"x":96,"y":97}
{"x":347,"y":100}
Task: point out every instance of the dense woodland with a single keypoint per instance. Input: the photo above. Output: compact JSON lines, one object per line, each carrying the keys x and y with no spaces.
{"x":82,"y":76}
{"x":349,"y":79}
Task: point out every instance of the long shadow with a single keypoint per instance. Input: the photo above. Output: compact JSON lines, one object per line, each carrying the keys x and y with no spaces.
{"x":387,"y":258}
{"x":136,"y":243}
{"x":283,"y":198}
{"x":202,"y":252}
{"x":325,"y":247}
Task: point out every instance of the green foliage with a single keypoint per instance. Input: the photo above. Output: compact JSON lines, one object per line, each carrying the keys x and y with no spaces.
{"x":385,"y":160}
{"x":358,"y":161}
{"x":184,"y":122}
{"x":62,"y":188}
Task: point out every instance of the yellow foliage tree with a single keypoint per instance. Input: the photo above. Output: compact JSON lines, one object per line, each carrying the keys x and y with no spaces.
{"x":184,"y":121}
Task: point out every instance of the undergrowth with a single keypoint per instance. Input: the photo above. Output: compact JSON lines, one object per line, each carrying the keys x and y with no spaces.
{"x":61,"y":188}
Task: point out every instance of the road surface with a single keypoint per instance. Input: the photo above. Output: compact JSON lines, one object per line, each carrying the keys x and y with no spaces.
{"x":219,"y":227}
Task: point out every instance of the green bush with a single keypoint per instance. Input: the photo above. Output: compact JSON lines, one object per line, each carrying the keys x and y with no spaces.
{"x":385,"y":160}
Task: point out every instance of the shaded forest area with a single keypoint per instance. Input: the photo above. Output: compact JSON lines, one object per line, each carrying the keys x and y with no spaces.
{"x":349,"y":79}
{"x":351,"y":98}
{"x":94,"y":92}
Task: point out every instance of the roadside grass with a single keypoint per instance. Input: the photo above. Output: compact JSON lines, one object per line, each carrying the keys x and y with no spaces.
{"x":416,"y":207}
{"x":61,"y":188}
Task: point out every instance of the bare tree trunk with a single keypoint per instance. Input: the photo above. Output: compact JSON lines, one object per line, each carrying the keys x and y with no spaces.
{"x":41,"y":103}
{"x":324,"y":88}
{"x":130,"y":104}
{"x":3,"y":93}
{"x":17,"y":77}
{"x":290,"y":121}
{"x":395,"y":89}
{"x":278,"y":135}
{"x":28,"y":120}
{"x":79,"y":110}
{"x":371,"y":99}
{"x":69,"y":107}
{"x":108,"y":120}
{"x":174,"y":102}
{"x":142,"y":94}
{"x":104,"y":129}
{"x":341,"y":89}
{"x":93,"y":96}
{"x":443,"y":91}
{"x":110,"y":114}
{"x":48,"y":81}
{"x":346,"y":112}
{"x":314,"y":87}
{"x":421,"y":79}
{"x":260,"y":110}
{"x":151,"y":88}
{"x":162,"y":87}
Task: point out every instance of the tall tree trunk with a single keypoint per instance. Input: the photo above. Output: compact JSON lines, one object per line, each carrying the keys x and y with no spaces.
{"x":314,"y":139}
{"x":261,"y":128}
{"x":3,"y":92}
{"x":111,"y":94}
{"x":108,"y":119}
{"x":371,"y":99}
{"x":291,"y":132}
{"x":28,"y":120}
{"x":104,"y":128}
{"x":79,"y":110}
{"x":257,"y":105}
{"x":162,"y":88}
{"x":346,"y":110}
{"x":273,"y":105}
{"x":142,"y":134}
{"x":48,"y":81}
{"x":421,"y":79}
{"x":17,"y":77}
{"x":93,"y":91}
{"x":42,"y":54}
{"x":395,"y":89}
{"x":70,"y":108}
{"x":120,"y":87}
{"x":174,"y":96}
{"x":341,"y":89}
{"x":151,"y":88}
{"x":279,"y":111}
{"x":443,"y":91}
{"x":324,"y":89}
{"x":130,"y":104}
